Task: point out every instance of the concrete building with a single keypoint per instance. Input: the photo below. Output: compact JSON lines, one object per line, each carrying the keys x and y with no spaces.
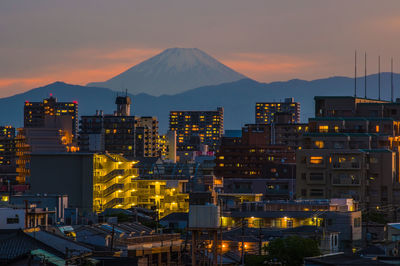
{"x":94,"y":182}
{"x":8,"y":155}
{"x":132,"y":136}
{"x":51,"y":202}
{"x":335,"y":215}
{"x":35,"y":113}
{"x":149,"y":125}
{"x":197,"y":127}
{"x":267,"y":112}
{"x":167,"y":146}
{"x":351,"y":150}
{"x":12,"y":218}
{"x":39,"y":140}
{"x":252,"y":163}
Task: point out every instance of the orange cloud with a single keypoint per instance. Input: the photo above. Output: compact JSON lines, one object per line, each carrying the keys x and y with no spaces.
{"x":86,"y":65}
{"x":90,"y":65}
{"x":265,"y":66}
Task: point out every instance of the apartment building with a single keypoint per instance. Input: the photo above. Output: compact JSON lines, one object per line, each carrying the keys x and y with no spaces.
{"x":36,"y":113}
{"x":348,"y":154}
{"x":194,"y":128}
{"x":97,"y":181}
{"x":266,"y":112}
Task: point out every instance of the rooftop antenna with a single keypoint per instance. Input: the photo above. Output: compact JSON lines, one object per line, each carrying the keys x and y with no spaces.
{"x":355,"y":74}
{"x":379,"y":77}
{"x":391,"y":76}
{"x":365,"y":75}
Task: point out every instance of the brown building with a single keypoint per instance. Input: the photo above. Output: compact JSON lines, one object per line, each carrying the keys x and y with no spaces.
{"x":150,"y":135}
{"x":262,"y":160}
{"x":351,"y":151}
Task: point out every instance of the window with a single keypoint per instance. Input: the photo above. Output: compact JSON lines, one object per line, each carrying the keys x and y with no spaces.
{"x":316,"y":160}
{"x":357,"y":222}
{"x":377,"y":128}
{"x":323,"y":128}
{"x":373,"y":160}
{"x":303,"y":176}
{"x":319,"y":144}
{"x":304,"y":192}
{"x":13,"y":220}
{"x":316,"y":192}
{"x":336,"y":128}
{"x":316,"y":176}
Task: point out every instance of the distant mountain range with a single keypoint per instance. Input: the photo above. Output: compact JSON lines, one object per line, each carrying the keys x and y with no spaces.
{"x":175,"y":70}
{"x":238,"y":98}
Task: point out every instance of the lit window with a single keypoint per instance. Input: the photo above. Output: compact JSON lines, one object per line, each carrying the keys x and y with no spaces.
{"x":316,"y":160}
{"x":319,"y":144}
{"x":336,"y":129}
{"x":377,"y":128}
{"x":323,"y":128}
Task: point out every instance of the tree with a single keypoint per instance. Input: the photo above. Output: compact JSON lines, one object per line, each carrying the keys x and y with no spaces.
{"x":292,"y":250}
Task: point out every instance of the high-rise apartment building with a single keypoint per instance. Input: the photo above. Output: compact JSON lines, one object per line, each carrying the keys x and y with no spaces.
{"x":167,"y":145}
{"x":7,"y":154}
{"x":149,"y":125}
{"x":120,"y":132}
{"x":36,"y":113}
{"x":197,"y":127}
{"x":351,"y":150}
{"x":266,"y":112}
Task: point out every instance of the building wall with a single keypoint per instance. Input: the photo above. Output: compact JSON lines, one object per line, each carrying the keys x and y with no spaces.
{"x":369,"y":176}
{"x":150,"y":126}
{"x":12,"y":218}
{"x":63,"y":173}
{"x":8,"y":155}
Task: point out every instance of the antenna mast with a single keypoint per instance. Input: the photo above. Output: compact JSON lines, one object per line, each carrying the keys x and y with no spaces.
{"x":379,"y":77}
{"x":391,"y":76}
{"x":355,"y":74}
{"x":365,"y":75}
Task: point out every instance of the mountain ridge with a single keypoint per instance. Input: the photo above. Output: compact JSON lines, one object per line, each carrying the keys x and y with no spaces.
{"x":238,"y":98}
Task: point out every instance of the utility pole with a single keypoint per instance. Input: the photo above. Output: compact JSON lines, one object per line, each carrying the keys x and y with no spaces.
{"x":112,"y":239}
{"x":259,"y":238}
{"x":242,"y":259}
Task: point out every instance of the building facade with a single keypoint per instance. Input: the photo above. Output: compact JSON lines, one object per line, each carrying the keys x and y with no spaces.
{"x":36,"y":113}
{"x":95,"y":182}
{"x":266,"y":112}
{"x":132,"y":136}
{"x":197,"y":127}
{"x":8,"y":154}
{"x":351,"y":150}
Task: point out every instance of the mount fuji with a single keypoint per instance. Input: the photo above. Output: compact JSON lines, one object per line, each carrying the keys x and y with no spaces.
{"x":174,"y":70}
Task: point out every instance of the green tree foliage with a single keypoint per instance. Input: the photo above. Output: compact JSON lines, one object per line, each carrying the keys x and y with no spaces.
{"x":292,"y":250}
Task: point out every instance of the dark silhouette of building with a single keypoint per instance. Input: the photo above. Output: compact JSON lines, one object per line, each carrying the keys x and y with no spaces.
{"x":36,"y":113}
{"x":119,"y":132}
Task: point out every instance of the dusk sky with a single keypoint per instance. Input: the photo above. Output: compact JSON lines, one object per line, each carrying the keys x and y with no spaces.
{"x":78,"y":41}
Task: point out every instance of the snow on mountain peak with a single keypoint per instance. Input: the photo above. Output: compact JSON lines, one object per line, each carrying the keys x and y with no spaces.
{"x":172,"y":71}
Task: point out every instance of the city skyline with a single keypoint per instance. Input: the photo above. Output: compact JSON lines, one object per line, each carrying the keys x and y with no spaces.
{"x":266,"y":41}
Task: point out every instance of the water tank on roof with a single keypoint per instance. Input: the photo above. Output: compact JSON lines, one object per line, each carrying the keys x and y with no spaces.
{"x":204,"y":216}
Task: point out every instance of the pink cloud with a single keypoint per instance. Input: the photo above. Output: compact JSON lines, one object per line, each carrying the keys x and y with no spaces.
{"x":265,"y":66}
